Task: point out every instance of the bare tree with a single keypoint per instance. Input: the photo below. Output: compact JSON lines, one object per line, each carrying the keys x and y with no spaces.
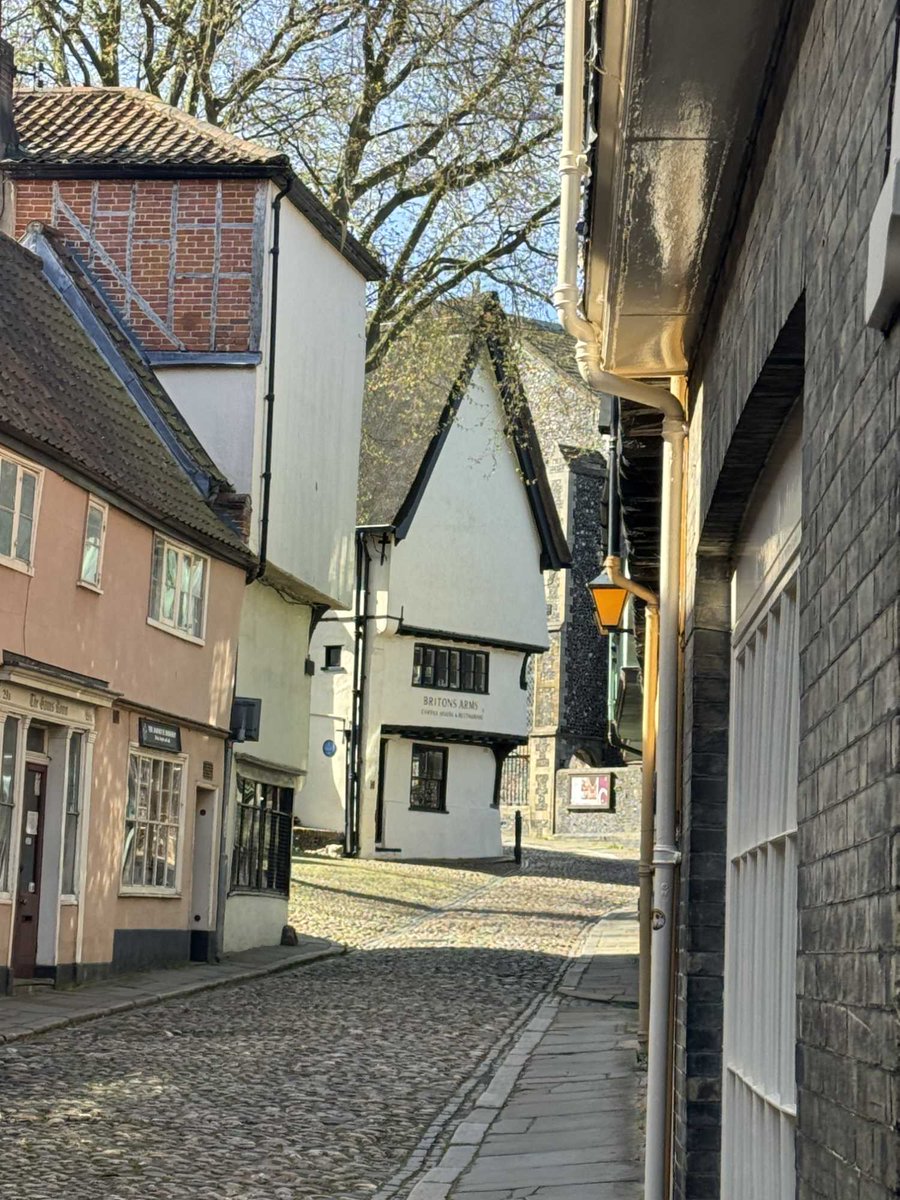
{"x":428,"y":126}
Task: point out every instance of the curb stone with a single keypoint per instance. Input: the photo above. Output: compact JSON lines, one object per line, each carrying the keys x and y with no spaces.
{"x":189,"y":989}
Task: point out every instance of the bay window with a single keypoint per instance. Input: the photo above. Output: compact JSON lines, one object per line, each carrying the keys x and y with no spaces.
{"x":261,"y":858}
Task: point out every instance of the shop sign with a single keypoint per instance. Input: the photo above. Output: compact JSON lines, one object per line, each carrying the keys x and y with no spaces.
{"x":590,"y":791}
{"x":156,"y":735}
{"x":465,"y":707}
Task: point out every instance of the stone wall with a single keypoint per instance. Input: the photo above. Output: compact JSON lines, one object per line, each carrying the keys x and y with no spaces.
{"x":621,"y":827}
{"x":800,"y":235}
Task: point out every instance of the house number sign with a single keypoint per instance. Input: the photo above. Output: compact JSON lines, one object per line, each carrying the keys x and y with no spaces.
{"x":155,"y":735}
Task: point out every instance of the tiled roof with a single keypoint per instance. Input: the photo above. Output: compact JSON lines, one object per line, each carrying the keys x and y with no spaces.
{"x":123,"y":130}
{"x":95,"y":126}
{"x":58,"y":396}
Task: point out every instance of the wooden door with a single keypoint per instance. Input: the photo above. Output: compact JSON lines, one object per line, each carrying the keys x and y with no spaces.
{"x":28,"y":895}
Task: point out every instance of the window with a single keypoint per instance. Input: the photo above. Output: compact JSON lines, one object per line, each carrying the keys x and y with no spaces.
{"x":92,"y":552}
{"x":18,"y":508}
{"x":332,"y":658}
{"x":8,"y":747}
{"x":450,"y":670}
{"x":428,"y":786}
{"x":261,"y":859}
{"x":152,"y":822}
{"x":178,"y":588}
{"x":73,"y":809}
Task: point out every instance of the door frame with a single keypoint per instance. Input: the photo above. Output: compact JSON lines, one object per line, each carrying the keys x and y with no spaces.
{"x":40,"y":770}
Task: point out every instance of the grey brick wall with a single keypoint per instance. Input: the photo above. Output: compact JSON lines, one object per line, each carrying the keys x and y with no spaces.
{"x":801,"y":231}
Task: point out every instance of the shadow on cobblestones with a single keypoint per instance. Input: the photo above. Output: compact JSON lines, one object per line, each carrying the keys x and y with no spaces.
{"x":313,"y":1084}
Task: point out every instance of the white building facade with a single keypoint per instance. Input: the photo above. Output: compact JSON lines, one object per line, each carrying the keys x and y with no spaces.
{"x":420,"y":690}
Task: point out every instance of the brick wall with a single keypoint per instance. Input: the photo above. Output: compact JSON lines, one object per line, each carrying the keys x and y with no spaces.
{"x":181,"y":259}
{"x":802,"y":231}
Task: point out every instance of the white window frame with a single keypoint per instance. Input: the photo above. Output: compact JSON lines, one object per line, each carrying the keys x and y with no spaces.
{"x":146,"y":889}
{"x":72,"y":897}
{"x":103,"y":508}
{"x":23,"y":464}
{"x":157,"y":620}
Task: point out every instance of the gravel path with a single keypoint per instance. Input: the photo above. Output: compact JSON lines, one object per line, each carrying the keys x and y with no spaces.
{"x":314,"y":1083}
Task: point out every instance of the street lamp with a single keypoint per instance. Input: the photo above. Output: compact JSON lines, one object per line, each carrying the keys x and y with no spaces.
{"x":609,"y":603}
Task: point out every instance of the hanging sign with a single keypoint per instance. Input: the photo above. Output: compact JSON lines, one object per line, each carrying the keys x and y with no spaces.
{"x":156,"y":735}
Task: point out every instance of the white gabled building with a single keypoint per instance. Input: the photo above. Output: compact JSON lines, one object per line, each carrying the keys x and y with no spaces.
{"x":420,"y":692}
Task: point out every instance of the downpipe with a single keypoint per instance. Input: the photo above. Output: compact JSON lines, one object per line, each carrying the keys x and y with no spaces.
{"x":566,"y":298}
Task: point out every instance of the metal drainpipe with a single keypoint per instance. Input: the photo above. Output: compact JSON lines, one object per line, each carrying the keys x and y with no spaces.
{"x":588,"y":354}
{"x":355,"y":749}
{"x":269,"y":398}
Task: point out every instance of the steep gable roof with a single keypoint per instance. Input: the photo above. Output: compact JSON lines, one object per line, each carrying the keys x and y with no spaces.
{"x":60,"y":400}
{"x":98,"y":131}
{"x":410,"y":404}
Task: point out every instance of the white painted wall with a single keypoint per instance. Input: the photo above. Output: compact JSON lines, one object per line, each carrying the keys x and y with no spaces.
{"x":219,"y":404}
{"x":322,"y":801}
{"x":272,"y":651}
{"x":253,"y":921}
{"x":471,"y":560}
{"x":318,"y":404}
{"x":470,"y":828}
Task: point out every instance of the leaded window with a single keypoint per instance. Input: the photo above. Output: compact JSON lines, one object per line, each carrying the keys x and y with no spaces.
{"x":8,"y":753}
{"x":178,"y":588}
{"x":153,"y":815}
{"x":261,"y":858}
{"x":18,"y":504}
{"x":428,"y":785}
{"x":446,"y":669}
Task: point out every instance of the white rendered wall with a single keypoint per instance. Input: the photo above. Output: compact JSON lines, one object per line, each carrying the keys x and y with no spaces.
{"x":471,"y":560}
{"x":219,"y":405}
{"x":253,"y":921}
{"x":319,"y":382}
{"x":272,"y":652}
{"x":470,"y":828}
{"x":322,"y":801}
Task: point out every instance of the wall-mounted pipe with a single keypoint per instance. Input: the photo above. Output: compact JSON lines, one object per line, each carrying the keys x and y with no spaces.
{"x":269,"y":398}
{"x":566,"y":298}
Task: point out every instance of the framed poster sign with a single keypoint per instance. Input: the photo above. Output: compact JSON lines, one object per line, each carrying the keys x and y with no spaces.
{"x":591,"y":791}
{"x":156,"y":735}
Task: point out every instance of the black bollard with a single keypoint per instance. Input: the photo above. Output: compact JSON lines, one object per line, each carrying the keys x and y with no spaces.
{"x":517,"y":850}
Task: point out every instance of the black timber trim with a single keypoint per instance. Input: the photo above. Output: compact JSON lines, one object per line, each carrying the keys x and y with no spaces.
{"x":555,"y":553}
{"x":305,"y":201}
{"x":468,"y":639}
{"x":464,"y":737}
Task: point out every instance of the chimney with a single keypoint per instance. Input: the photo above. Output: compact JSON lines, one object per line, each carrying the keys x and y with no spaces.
{"x":8,"y":142}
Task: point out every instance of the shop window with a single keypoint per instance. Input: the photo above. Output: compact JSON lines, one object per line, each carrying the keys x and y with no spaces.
{"x":178,"y":589}
{"x":333,"y":658}
{"x":73,"y":812}
{"x":443,"y":669}
{"x":8,"y":748}
{"x":94,"y":537}
{"x":153,"y":816}
{"x":428,"y":785}
{"x":18,"y":512}
{"x":261,"y":858}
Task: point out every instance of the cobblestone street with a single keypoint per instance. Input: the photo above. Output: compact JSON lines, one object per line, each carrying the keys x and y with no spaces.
{"x":320,"y":1081}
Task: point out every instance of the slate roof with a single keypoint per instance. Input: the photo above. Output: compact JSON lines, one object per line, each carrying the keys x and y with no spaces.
{"x":59,"y":399}
{"x":123,"y":131}
{"x":410,"y":403}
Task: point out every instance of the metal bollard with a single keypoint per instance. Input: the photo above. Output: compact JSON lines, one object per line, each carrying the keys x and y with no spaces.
{"x":517,"y":850}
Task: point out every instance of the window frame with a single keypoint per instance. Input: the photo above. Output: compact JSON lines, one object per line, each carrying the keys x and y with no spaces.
{"x":77,"y":813}
{"x":103,"y":508}
{"x":284,"y":827}
{"x":24,"y":566}
{"x":11,"y":804}
{"x":160,"y":891}
{"x":155,"y":618}
{"x":459,"y":670}
{"x":428,"y":748}
{"x":338,"y":666}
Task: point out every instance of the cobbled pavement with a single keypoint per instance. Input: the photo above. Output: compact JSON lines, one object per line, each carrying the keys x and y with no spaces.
{"x":313,"y":1083}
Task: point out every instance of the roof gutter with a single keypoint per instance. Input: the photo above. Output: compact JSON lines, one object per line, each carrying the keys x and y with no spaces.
{"x":573,"y":167}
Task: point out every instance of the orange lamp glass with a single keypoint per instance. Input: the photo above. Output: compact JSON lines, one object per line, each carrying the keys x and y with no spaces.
{"x":609,"y":603}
